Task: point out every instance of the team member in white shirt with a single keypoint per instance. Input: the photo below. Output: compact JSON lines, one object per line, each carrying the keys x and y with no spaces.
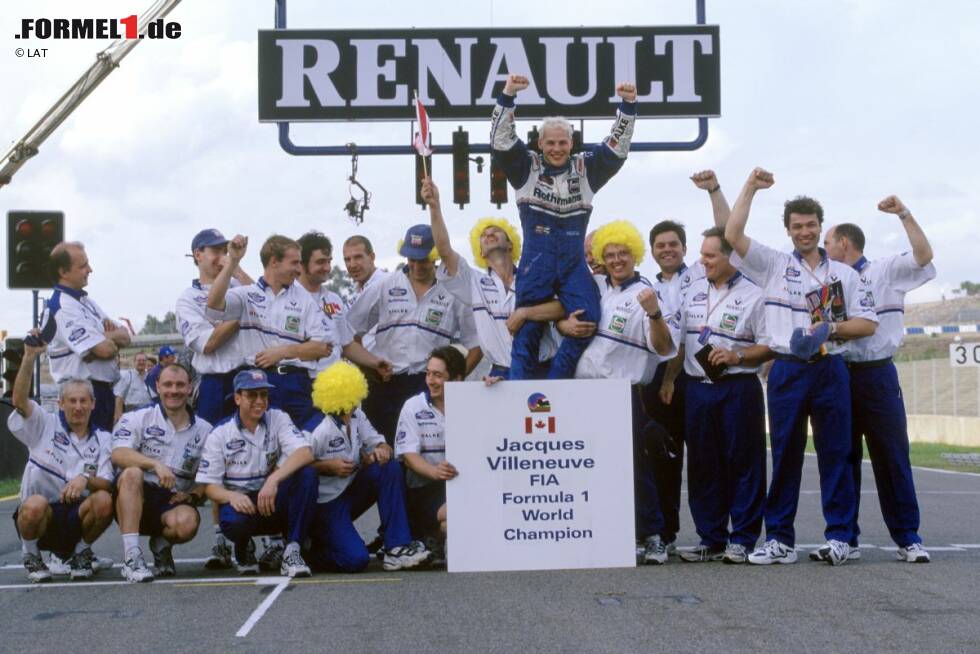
{"x":414,"y":314}
{"x":356,"y":471}
{"x":256,"y":466}
{"x":664,"y":396}
{"x":217,"y":351}
{"x":631,"y":339}
{"x":158,"y":449}
{"x":64,"y":495}
{"x":725,"y":427}
{"x":281,"y":330}
{"x":809,"y":299}
{"x":130,"y":390}
{"x":421,"y":447}
{"x":315,"y":256}
{"x":84,"y":342}
{"x":876,"y":397}
{"x":491,"y":297}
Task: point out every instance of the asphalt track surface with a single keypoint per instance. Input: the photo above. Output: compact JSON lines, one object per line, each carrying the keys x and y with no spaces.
{"x":875,"y":604}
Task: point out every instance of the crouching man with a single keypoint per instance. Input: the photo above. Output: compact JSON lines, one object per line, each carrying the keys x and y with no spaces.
{"x":356,"y":471}
{"x":64,"y":495}
{"x":158,"y":449}
{"x":256,"y":464}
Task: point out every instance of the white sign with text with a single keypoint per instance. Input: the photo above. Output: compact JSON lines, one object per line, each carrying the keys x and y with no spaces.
{"x":545,"y":475}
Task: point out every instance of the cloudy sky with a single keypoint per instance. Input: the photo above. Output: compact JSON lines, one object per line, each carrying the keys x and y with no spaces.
{"x":845,"y":100}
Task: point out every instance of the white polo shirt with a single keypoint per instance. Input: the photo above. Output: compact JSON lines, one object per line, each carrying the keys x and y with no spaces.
{"x":409,"y":328}
{"x":241,"y":460}
{"x":196,"y":328}
{"x":367,"y":339}
{"x":492,"y":302}
{"x":732,"y":318}
{"x":670,"y":292}
{"x":268,"y":319}
{"x":786,"y":281}
{"x":623,"y":344}
{"x":888,"y":280}
{"x":56,"y":455}
{"x":73,"y":326}
{"x":333,"y":309}
{"x":150,"y":432}
{"x":421,"y":430}
{"x":330,"y":440}
{"x":132,"y":388}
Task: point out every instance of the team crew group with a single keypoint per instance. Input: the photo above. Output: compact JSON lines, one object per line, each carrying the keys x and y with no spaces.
{"x":310,"y":410}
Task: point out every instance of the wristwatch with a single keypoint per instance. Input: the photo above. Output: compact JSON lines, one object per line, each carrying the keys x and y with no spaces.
{"x":741,"y":357}
{"x":656,"y":316}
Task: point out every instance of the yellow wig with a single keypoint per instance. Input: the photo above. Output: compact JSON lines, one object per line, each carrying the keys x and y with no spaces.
{"x":339,"y":388}
{"x":433,"y":255}
{"x":620,"y":232}
{"x":503,"y":224}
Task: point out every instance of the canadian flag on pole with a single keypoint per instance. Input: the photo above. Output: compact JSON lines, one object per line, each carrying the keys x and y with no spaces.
{"x":541,"y":425}
{"x":423,"y":140}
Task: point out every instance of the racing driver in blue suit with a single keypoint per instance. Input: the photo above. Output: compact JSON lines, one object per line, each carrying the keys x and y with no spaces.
{"x":554,"y":198}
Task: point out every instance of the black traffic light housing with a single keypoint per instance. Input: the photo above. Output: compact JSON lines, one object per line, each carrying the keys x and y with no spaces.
{"x":31,"y":235}
{"x":13,"y":355}
{"x":461,"y":167}
{"x":498,"y":184}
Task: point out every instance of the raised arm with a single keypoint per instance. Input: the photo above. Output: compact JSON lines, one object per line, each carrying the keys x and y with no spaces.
{"x":21,"y":395}
{"x":735,"y":227}
{"x":921,"y":250}
{"x":236,"y":251}
{"x":509,"y":151}
{"x":440,"y":234}
{"x":707,"y":181}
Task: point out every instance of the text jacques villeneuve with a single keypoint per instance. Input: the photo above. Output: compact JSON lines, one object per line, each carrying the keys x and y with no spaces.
{"x":540,"y":507}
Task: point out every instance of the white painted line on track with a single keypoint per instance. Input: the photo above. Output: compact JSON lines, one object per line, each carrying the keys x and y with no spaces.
{"x":261,"y":581}
{"x":261,"y":609}
{"x":921,"y":468}
{"x":967,"y":546}
{"x":17,"y":566}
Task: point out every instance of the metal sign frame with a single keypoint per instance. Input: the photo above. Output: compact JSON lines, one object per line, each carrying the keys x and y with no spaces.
{"x":287,"y":144}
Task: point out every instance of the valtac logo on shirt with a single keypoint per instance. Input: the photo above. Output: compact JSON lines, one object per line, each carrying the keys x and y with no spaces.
{"x":486,"y":281}
{"x":792,"y":272}
{"x":153,"y":430}
{"x":256,"y":298}
{"x":60,"y":438}
{"x":424,"y":414}
{"x":336,"y":442}
{"x":397,"y":292}
{"x":400,"y":437}
{"x":76,"y":334}
{"x":700,"y":297}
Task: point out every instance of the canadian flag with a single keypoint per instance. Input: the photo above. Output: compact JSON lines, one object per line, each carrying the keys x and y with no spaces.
{"x":423,"y":140}
{"x":534,"y":425}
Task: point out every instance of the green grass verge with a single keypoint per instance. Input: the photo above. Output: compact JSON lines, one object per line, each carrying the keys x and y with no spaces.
{"x":9,"y":487}
{"x":929,"y":455}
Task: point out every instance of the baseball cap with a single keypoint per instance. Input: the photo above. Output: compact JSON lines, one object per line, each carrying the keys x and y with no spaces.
{"x":251,"y":379}
{"x":167,"y":351}
{"x":208,"y":238}
{"x":418,"y":242}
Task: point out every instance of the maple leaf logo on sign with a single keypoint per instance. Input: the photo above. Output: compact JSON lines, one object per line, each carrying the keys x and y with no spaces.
{"x":538,"y":403}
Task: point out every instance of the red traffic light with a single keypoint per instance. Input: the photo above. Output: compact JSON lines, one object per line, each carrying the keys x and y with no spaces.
{"x":50,"y":229}
{"x":25,"y":228}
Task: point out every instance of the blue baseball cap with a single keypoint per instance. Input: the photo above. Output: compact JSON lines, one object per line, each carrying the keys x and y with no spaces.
{"x":167,"y":351}
{"x":207,"y":238}
{"x":418,"y":242}
{"x":251,"y":379}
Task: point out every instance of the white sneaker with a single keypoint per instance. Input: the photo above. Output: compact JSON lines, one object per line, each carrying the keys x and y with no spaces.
{"x":655,"y":551}
{"x":37,"y":571}
{"x":772,"y":551}
{"x":914,"y":553}
{"x":293,"y":564}
{"x":838,"y":552}
{"x":822,"y":553}
{"x":735,"y":554}
{"x":405,"y":557}
{"x":134,"y":568}
{"x":59,"y":567}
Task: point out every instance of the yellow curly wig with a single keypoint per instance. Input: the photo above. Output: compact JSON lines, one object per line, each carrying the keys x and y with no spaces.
{"x":620,"y":232}
{"x":503,"y":224}
{"x":433,"y":255}
{"x":339,"y":388}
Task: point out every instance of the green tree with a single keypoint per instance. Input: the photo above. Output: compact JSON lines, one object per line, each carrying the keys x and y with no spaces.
{"x":154,"y":325}
{"x":970,"y":288}
{"x":340,"y":283}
